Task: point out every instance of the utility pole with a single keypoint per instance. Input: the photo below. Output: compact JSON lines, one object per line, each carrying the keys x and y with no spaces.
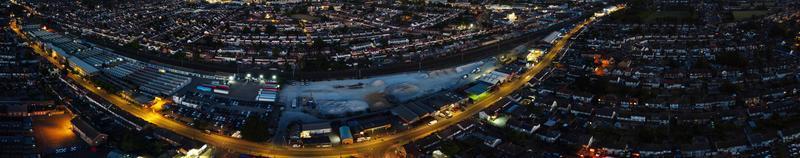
{"x":294,"y":68}
{"x":419,"y":56}
{"x":462,"y":55}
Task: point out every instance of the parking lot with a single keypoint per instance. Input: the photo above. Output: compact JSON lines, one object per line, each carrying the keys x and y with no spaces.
{"x":54,"y":133}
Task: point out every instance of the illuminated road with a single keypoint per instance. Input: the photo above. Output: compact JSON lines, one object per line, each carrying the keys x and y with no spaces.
{"x":374,"y":148}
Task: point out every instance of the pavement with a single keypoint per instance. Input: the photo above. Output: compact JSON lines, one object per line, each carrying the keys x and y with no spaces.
{"x":375,"y":148}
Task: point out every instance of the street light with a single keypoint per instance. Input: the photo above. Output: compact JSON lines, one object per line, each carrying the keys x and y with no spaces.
{"x":274,"y":77}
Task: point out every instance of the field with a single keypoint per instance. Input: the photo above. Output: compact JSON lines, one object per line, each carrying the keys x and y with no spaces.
{"x":652,"y":16}
{"x":655,"y":16}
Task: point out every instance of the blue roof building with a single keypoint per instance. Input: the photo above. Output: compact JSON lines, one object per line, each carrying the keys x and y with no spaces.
{"x":345,"y":135}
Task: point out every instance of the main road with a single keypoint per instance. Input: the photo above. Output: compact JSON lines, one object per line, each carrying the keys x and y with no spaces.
{"x":372,"y":148}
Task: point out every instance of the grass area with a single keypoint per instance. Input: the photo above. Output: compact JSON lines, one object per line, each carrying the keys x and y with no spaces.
{"x":305,"y":17}
{"x":747,"y":14}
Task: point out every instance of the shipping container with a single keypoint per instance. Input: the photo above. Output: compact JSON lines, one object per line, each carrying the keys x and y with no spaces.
{"x":204,"y":88}
{"x":221,"y":91}
{"x":269,"y":89}
{"x":273,"y":86}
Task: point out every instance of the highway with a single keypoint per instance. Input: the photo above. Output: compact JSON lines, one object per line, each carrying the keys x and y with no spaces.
{"x":374,"y":148}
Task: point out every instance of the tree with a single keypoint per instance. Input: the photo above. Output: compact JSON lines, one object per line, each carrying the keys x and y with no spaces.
{"x":271,"y":29}
{"x":732,"y":59}
{"x":671,"y":63}
{"x":132,"y":142}
{"x":729,"y":88}
{"x":179,"y":55}
{"x":450,"y":148}
{"x":596,"y":87}
{"x":196,"y":56}
{"x":582,"y":82}
{"x":319,"y":43}
{"x":701,"y":63}
{"x":133,"y":46}
{"x":255,"y":129}
{"x":201,"y":124}
{"x":299,"y":9}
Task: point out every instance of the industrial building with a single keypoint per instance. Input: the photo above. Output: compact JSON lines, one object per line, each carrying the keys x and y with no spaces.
{"x":145,"y":81}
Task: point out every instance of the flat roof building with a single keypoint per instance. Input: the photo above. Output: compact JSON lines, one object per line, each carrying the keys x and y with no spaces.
{"x":88,"y":133}
{"x":82,"y":67}
{"x":412,"y":112}
{"x":310,"y":129}
{"x":345,"y":135}
{"x":478,"y":89}
{"x":552,"y":37}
